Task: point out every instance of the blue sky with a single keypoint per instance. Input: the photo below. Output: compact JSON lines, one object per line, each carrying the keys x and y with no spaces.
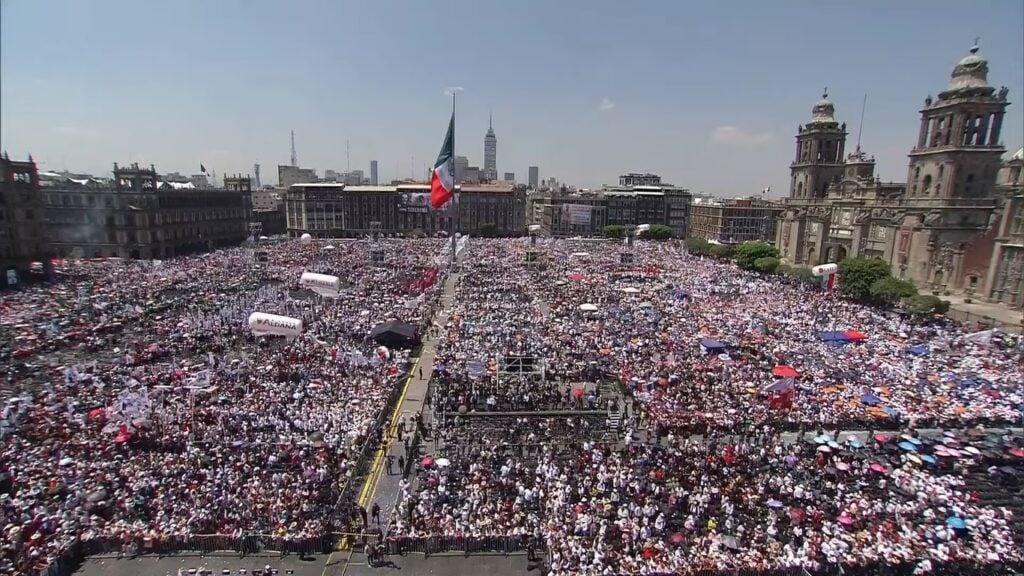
{"x":707,"y":94}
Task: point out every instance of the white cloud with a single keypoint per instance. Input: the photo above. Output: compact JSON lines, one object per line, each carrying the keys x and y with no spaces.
{"x":734,"y":136}
{"x":606,"y":104}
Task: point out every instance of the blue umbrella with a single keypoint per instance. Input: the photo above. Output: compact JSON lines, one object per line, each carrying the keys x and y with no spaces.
{"x":908,"y":446}
{"x":856,"y":444}
{"x":918,"y":350}
{"x":928,"y":458}
{"x":870,"y":399}
{"x":890,"y":411}
{"x":774,"y":504}
{"x":956,"y":523}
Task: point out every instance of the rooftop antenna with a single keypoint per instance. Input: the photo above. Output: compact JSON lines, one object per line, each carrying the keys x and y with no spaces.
{"x":860,"y":128}
{"x":295,"y":157}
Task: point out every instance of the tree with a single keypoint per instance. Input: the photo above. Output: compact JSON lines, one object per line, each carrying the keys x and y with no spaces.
{"x":698,"y":246}
{"x":857,"y":275}
{"x":749,"y":252}
{"x":723,"y":251}
{"x":889,"y":290}
{"x":658,"y":232}
{"x":767,"y":264}
{"x":925,"y":304}
{"x":613,"y":231}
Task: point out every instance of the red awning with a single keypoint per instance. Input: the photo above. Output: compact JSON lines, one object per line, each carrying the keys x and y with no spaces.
{"x":855,"y":335}
{"x":783,"y":371}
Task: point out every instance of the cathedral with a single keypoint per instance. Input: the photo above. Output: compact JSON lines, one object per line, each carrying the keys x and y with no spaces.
{"x":940,"y":228}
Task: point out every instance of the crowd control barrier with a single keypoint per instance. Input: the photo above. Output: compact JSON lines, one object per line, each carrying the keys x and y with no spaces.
{"x":402,"y":545}
{"x":72,"y":556}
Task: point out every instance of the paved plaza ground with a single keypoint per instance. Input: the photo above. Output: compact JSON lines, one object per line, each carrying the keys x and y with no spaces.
{"x":337,"y":564}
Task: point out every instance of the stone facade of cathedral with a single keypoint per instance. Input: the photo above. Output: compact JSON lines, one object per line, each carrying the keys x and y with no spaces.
{"x":1005,"y":280}
{"x":939,"y":228}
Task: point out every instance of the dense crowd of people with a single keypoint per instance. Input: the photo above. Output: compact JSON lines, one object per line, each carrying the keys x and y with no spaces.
{"x":142,"y":406}
{"x":700,"y":346}
{"x":166,"y":416}
{"x":587,"y":316}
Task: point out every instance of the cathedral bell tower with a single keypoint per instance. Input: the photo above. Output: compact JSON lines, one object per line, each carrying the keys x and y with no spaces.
{"x":820,"y":147}
{"x":958,"y":150}
{"x":951,"y":195}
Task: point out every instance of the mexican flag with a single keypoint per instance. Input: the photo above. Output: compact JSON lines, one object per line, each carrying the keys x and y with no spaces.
{"x":442,"y":181}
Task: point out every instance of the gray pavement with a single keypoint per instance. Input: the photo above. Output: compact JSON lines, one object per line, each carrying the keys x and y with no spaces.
{"x":1009,"y":319}
{"x":456,"y":565}
{"x":386,"y":489}
{"x":153,"y":566}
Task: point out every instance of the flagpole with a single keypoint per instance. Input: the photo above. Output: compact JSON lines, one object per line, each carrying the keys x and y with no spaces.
{"x":454,"y":205}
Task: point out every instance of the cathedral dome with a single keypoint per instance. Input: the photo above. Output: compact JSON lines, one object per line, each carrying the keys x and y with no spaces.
{"x":823,"y":111}
{"x":970,"y":72}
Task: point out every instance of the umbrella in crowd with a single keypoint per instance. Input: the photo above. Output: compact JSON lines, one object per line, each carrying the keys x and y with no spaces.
{"x":687,"y":428}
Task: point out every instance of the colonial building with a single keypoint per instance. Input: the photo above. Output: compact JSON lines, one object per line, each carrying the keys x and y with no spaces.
{"x":23,"y":234}
{"x":938,"y":229}
{"x":734,"y":220}
{"x":136,"y":215}
{"x":1004,"y":281}
{"x":268,"y":211}
{"x":585,"y":214}
{"x":336,"y":210}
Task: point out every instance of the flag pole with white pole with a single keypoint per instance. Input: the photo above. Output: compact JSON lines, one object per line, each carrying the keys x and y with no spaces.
{"x":455,"y":200}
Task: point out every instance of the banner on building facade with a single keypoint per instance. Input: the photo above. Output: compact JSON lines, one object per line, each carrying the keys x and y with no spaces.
{"x":416,"y":202}
{"x":576,"y":214}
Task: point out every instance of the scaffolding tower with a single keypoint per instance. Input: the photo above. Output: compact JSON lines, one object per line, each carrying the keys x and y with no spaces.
{"x":533,"y":367}
{"x":626,"y":256}
{"x":376,"y":248}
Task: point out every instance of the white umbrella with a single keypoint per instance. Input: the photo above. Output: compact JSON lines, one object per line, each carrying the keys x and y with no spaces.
{"x":588,"y":308}
{"x":442,"y":462}
{"x":329,"y":247}
{"x":631,"y":290}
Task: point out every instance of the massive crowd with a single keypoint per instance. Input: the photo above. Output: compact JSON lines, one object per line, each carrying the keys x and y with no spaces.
{"x":142,"y":406}
{"x":146,"y":408}
{"x":702,"y":347}
{"x":589,"y":316}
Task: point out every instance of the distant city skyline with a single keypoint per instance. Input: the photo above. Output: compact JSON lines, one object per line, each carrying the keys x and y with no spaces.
{"x":699,"y":108}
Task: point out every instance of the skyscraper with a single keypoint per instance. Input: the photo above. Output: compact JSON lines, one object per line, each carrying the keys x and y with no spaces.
{"x":373,"y":172}
{"x":490,"y":152}
{"x":461,"y":167}
{"x":534,"y":177}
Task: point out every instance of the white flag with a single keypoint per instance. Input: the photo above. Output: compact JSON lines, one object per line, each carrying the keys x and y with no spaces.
{"x":982,"y":337}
